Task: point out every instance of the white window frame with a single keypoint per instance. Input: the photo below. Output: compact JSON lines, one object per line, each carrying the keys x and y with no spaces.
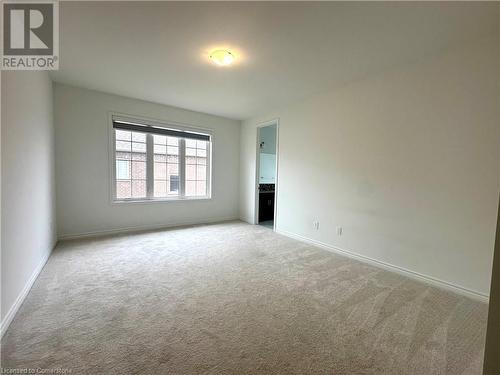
{"x":113,"y":116}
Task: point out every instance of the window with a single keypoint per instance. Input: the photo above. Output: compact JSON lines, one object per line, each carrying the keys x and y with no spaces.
{"x":153,"y":163}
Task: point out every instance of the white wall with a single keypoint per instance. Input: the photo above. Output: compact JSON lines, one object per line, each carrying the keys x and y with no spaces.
{"x":28,"y":200}
{"x":82,"y":167}
{"x":407,"y":162}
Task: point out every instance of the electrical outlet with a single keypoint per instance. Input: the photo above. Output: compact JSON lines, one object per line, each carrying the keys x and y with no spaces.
{"x":339,"y":231}
{"x":316,"y":224}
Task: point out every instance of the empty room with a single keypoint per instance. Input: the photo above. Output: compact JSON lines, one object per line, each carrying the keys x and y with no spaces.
{"x":250,"y":187}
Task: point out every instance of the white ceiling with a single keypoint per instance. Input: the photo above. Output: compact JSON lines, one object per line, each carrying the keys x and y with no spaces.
{"x":157,"y":51}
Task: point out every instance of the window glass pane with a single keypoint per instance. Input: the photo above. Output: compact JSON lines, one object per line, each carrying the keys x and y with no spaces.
{"x":122,"y":135}
{"x":190,"y":160}
{"x":190,"y":151}
{"x":202,"y":153}
{"x":201,"y":172}
{"x":159,"y":149}
{"x":139,"y":156}
{"x":123,"y":155}
{"x":160,"y":158}
{"x":201,"y":188}
{"x":173,"y":141}
{"x":172,"y":170}
{"x":123,"y":146}
{"x":122,"y":170}
{"x":174,"y":185}
{"x":166,"y":166}
{"x":191,"y":143}
{"x":201,"y":161}
{"x":172,"y":150}
{"x":190,"y":188}
{"x":160,"y":189}
{"x":138,"y":170}
{"x":190,"y":172}
{"x":138,"y":147}
{"x":138,"y":188}
{"x":139,"y":137}
{"x":173,"y":159}
{"x":201,"y":145}
{"x":159,"y":139}
{"x":123,"y":189}
{"x":160,"y":170}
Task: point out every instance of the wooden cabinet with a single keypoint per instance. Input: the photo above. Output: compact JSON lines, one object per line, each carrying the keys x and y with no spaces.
{"x":266,"y":205}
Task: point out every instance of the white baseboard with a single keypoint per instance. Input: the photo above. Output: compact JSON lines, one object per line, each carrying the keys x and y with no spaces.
{"x":143,"y":228}
{"x":4,"y":325}
{"x":403,"y":271}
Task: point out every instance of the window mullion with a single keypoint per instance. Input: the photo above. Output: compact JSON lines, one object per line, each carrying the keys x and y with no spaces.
{"x":182,"y":167}
{"x":113,"y":171}
{"x":208,"y":176}
{"x":149,"y":166}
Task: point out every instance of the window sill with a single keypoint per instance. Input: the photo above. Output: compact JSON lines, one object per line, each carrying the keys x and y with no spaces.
{"x":160,"y":200}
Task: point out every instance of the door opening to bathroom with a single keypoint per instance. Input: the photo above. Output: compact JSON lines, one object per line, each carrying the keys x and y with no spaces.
{"x":267,"y":151}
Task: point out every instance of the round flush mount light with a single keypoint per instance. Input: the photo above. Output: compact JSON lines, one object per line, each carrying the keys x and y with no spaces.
{"x":222,"y":57}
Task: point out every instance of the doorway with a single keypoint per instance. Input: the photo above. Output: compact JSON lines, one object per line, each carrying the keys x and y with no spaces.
{"x":267,"y":173}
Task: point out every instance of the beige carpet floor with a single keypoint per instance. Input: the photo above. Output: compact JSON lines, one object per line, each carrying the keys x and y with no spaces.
{"x":233,"y":298}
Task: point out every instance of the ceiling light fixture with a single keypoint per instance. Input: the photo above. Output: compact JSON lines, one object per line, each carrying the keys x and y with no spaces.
{"x":222,"y":57}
